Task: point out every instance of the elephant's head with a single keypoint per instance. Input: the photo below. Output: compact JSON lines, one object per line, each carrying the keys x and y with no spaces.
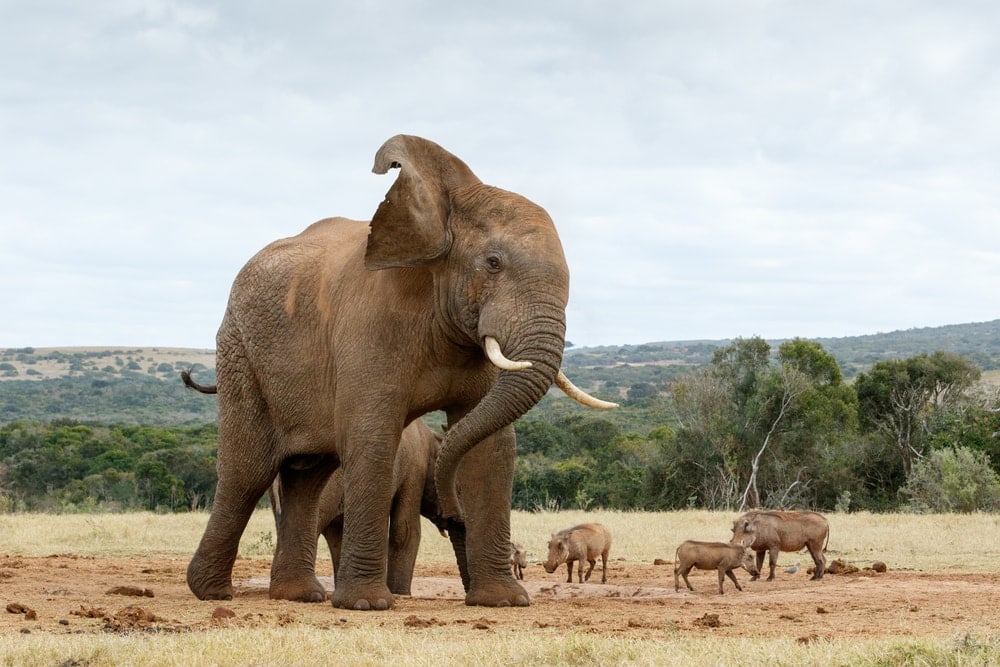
{"x":500,"y":280}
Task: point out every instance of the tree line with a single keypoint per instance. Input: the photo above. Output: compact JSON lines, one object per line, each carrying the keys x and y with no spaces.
{"x":753,"y":427}
{"x":780,"y":429}
{"x":68,"y":466}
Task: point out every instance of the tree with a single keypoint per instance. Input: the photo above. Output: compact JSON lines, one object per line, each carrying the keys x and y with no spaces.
{"x":898,"y":398}
{"x":749,"y":422}
{"x":953,"y":480}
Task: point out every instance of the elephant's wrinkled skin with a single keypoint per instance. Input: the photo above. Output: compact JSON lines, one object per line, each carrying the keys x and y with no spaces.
{"x":414,"y":495}
{"x":335,"y":339}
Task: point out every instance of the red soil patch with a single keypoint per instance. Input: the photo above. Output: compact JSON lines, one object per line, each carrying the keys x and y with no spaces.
{"x":70,"y":594}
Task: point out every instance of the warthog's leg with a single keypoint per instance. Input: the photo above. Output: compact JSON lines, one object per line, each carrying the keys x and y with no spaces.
{"x":772,"y":561}
{"x":569,"y":572}
{"x":590,"y":569}
{"x":684,"y":573}
{"x":760,"y":565}
{"x":819,"y":559}
{"x":729,"y":573}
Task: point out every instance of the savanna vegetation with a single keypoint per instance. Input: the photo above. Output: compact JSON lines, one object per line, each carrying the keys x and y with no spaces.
{"x":714,"y":425}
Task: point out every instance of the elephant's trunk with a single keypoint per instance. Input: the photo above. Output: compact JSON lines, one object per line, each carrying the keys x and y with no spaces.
{"x":514,"y":393}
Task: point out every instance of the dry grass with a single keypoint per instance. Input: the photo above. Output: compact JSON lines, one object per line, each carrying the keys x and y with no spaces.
{"x":303,"y":645}
{"x":959,"y":542}
{"x":93,"y":358}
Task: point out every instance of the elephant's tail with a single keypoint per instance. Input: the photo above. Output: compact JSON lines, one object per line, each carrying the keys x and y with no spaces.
{"x":191,"y":384}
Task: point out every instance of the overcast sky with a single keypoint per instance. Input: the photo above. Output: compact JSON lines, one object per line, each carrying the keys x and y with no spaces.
{"x":714,"y":169}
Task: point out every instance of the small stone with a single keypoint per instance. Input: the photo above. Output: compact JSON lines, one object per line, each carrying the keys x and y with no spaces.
{"x":223,"y":612}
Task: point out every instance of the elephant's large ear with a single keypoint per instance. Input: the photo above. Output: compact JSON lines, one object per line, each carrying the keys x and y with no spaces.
{"x":410,"y":227}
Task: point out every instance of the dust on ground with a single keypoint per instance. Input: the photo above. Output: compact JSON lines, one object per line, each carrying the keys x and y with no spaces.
{"x":74,"y":594}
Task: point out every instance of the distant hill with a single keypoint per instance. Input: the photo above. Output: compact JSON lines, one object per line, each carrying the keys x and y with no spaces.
{"x":143,"y":386}
{"x":112,"y":385}
{"x":978,"y":341}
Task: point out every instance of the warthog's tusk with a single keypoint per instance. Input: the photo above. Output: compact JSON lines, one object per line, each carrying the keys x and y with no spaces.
{"x":500,"y":361}
{"x":580,"y":395}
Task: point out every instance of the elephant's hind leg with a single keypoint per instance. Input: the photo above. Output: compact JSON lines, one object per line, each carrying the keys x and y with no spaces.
{"x":293,"y":570}
{"x":210,"y":572}
{"x":361,"y":577}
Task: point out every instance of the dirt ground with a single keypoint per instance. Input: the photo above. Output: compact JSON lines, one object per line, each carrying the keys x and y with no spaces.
{"x":72,"y":594}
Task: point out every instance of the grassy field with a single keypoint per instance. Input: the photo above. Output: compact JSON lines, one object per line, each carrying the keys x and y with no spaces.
{"x":967,"y":543}
{"x":959,"y":542}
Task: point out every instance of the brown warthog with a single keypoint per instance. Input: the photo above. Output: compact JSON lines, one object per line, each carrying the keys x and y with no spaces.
{"x":783,"y":531}
{"x":518,"y":560}
{"x":580,"y":543}
{"x":712,"y":556}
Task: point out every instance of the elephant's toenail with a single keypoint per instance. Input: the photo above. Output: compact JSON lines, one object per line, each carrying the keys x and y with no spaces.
{"x":362,"y":605}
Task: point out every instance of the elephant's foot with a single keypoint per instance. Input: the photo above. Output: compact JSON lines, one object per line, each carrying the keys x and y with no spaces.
{"x":498,"y":594}
{"x":207,"y":582}
{"x":305,"y":589}
{"x":362,"y":597}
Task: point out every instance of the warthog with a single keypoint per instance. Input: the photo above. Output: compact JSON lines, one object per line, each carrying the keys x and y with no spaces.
{"x":580,"y":543}
{"x":712,"y":556}
{"x":518,"y":560}
{"x":783,"y":531}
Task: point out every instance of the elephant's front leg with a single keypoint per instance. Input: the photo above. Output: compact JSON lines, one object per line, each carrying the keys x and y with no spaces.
{"x":361,"y":577}
{"x":486,"y":478}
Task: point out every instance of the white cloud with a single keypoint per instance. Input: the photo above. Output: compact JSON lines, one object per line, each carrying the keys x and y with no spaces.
{"x":715,"y":170}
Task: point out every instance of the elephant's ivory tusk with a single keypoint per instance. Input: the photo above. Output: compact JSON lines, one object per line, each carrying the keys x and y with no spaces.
{"x":580,"y":395}
{"x":563,"y":382}
{"x":500,"y":361}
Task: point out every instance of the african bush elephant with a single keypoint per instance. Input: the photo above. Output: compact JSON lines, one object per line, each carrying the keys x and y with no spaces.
{"x":452,"y":298}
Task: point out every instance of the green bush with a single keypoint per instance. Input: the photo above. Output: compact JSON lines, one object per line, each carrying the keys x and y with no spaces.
{"x":953,"y":480}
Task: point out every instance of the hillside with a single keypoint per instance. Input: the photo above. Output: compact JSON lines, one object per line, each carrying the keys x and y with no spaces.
{"x":979,"y":341}
{"x":143,"y":386}
{"x":114,"y":385}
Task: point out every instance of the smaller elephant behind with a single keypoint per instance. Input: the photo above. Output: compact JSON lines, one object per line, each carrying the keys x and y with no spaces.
{"x":580,"y":543}
{"x":414,"y":496}
{"x":518,"y":560}
{"x":712,"y":556}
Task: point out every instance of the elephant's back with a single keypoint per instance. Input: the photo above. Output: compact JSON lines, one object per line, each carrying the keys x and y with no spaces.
{"x":330,"y":242}
{"x":284,"y":279}
{"x":279,"y":297}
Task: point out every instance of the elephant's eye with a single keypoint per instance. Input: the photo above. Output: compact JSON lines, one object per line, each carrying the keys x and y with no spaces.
{"x":494,"y":263}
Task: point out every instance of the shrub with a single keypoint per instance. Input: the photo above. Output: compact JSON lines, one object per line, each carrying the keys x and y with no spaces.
{"x":953,"y":480}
